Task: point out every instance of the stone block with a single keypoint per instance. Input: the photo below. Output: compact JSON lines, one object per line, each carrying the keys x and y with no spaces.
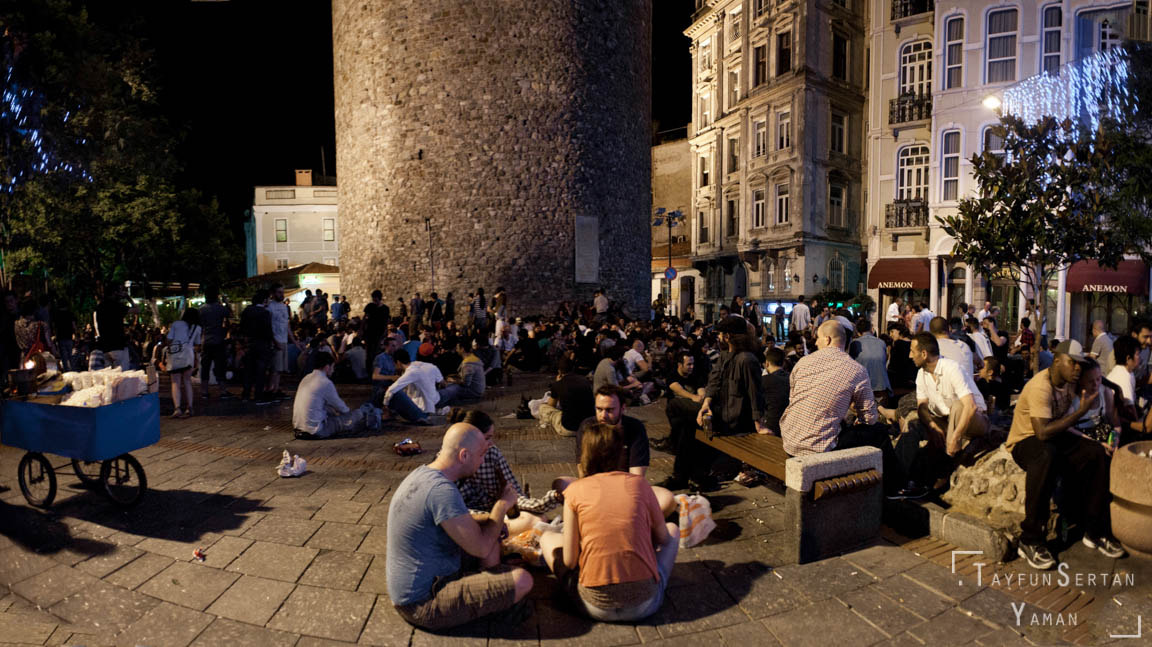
{"x":166,"y":625}
{"x":973,"y":534}
{"x":991,"y":488}
{"x":252,"y":599}
{"x":324,"y":613}
{"x":800,"y":472}
{"x":830,"y":526}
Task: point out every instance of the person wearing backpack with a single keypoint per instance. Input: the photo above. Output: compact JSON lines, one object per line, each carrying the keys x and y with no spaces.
{"x":181,"y":358}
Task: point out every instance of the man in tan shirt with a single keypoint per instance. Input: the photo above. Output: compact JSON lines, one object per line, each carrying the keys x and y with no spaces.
{"x":1045,"y":445}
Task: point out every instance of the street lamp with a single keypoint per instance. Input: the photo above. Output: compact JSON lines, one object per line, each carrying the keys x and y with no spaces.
{"x":670,"y":219}
{"x":991,"y":102}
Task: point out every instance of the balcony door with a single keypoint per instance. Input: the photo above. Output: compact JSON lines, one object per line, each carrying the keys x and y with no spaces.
{"x":916,"y":69}
{"x":912,"y":173}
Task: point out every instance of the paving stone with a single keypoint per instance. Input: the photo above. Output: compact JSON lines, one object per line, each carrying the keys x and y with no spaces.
{"x":221,"y":553}
{"x":338,"y":536}
{"x":698,"y":608}
{"x":385,"y":627}
{"x":324,"y":613}
{"x":178,"y":549}
{"x":18,"y":564}
{"x":103,"y":608}
{"x":912,"y":596}
{"x":375,"y":515}
{"x":944,"y":582}
{"x":20,"y":630}
{"x":101,"y":565}
{"x":293,"y":532}
{"x":993,"y":606}
{"x":296,"y":507}
{"x":884,"y":561}
{"x":139,"y":570}
{"x":1003,"y":638}
{"x":341,"y":511}
{"x":53,"y":585}
{"x":950,"y":628}
{"x":338,"y":570}
{"x":167,"y":625}
{"x":231,"y":523}
{"x":824,"y":623}
{"x":749,"y":634}
{"x":375,"y":579}
{"x":371,"y":493}
{"x":903,"y":640}
{"x":252,"y":599}
{"x":310,"y":641}
{"x":273,"y":561}
{"x":758,"y":590}
{"x":190,"y":585}
{"x":223,"y":631}
{"x":375,"y":542}
{"x":880,"y":610}
{"x":826,"y":578}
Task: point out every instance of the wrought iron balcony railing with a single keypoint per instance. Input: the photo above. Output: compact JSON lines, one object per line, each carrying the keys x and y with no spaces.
{"x":909,"y":107}
{"x":903,"y":214}
{"x":905,"y":8}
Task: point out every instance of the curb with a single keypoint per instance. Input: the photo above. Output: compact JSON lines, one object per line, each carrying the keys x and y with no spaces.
{"x":969,"y":533}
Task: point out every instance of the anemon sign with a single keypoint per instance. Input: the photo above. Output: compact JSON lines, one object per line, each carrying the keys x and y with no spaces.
{"x":898,"y":285}
{"x":1088,"y":287}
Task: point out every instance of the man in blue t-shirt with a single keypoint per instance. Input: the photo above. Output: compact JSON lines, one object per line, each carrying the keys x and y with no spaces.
{"x":384,"y":371}
{"x":429,"y":531}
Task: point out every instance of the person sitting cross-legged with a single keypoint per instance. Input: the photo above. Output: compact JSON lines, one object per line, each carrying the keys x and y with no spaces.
{"x":430,"y":581}
{"x":414,"y":395}
{"x":615,"y":555}
{"x":318,"y":411}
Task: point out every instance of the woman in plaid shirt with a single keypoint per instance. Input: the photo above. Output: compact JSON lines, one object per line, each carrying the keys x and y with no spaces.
{"x":482,"y":489}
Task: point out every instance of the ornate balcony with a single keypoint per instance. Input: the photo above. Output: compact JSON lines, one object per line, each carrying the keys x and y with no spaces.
{"x":909,"y":107}
{"x":905,"y":8}
{"x":906,"y":214}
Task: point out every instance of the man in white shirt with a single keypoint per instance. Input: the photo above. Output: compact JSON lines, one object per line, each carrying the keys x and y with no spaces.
{"x":893,"y":315}
{"x":413,"y":397}
{"x":801,"y":316}
{"x":986,"y":312}
{"x":1127,"y":356}
{"x":983,"y":346}
{"x":1102,"y":347}
{"x":281,"y":336}
{"x":923,"y":318}
{"x":318,"y":411}
{"x":949,"y":403}
{"x":638,"y":365}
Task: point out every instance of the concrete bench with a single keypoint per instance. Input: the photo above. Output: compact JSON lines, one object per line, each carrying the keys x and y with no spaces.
{"x":833,"y":500}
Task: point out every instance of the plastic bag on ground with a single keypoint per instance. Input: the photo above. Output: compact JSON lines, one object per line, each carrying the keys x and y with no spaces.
{"x":695,"y":519}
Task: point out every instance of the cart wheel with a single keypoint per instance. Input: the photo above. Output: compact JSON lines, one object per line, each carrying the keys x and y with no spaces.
{"x":87,"y":471}
{"x":37,"y":480}
{"x":124,"y":480}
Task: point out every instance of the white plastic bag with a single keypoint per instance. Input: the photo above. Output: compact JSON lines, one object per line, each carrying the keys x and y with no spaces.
{"x":695,"y":519}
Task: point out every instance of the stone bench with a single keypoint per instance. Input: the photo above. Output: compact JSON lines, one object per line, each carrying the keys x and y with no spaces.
{"x":833,"y":500}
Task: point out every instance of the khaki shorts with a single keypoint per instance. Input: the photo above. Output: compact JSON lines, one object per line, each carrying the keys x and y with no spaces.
{"x":463,"y":599}
{"x":280,"y":359}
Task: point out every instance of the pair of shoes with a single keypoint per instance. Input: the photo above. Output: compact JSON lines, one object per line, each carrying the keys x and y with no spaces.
{"x":750,"y":478}
{"x":911,"y":491}
{"x":1036,"y":555}
{"x":674,"y":483}
{"x":1107,"y":546}
{"x":177,"y":414}
{"x":303,"y":435}
{"x":187,"y":413}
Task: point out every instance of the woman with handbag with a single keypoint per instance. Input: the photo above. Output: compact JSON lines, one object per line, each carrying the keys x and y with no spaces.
{"x":181,"y":358}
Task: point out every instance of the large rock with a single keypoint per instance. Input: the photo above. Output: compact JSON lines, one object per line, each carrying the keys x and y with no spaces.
{"x":991,"y":489}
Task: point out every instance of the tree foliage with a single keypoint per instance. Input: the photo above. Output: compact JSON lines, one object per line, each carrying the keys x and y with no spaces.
{"x":112,"y":207}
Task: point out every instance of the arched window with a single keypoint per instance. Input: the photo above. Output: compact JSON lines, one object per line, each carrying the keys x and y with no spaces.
{"x":912,"y":173}
{"x":769,"y":279}
{"x":788,"y":275}
{"x":916,"y":68}
{"x":836,"y":273}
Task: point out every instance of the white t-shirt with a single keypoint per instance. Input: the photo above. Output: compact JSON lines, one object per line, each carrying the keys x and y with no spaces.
{"x":281,"y":318}
{"x":924,"y":318}
{"x":179,"y":332}
{"x":958,"y":352}
{"x":982,"y":343}
{"x":1125,"y":380}
{"x":631,"y":357}
{"x":894,"y":312}
{"x":419,"y":382}
{"x":951,"y":384}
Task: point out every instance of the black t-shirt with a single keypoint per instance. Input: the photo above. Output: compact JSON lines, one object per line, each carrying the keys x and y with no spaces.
{"x":635,"y":440}
{"x":693,"y":382}
{"x":574,"y":395}
{"x":776,"y":388}
{"x":110,"y":321}
{"x":377,"y":318}
{"x":901,"y":369}
{"x":65,"y":324}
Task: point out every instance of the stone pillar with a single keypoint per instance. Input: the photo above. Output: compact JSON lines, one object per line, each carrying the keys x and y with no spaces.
{"x":519,"y":129}
{"x":969,"y":283}
{"x":1061,"y":305}
{"x":934,"y":288}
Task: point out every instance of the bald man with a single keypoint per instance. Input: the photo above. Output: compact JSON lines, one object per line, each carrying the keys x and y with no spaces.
{"x":429,"y":532}
{"x":1102,"y":347}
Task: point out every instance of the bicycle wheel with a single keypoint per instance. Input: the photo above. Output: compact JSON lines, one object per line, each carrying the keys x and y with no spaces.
{"x":124,"y":480}
{"x":87,"y":471}
{"x":37,"y":480}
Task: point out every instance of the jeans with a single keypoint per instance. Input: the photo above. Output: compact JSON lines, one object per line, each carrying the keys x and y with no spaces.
{"x":65,"y":346}
{"x":342,"y":423}
{"x":1081,"y":464}
{"x":403,"y":406}
{"x":693,"y":458}
{"x":448,"y":395}
{"x":256,"y":369}
{"x":119,"y":359}
{"x":665,"y":558}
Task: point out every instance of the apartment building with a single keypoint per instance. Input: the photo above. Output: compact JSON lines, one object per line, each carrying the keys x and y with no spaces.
{"x":294,"y":225}
{"x":777,"y":145}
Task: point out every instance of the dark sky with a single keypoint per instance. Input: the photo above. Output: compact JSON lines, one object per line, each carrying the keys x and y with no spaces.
{"x":252,"y":81}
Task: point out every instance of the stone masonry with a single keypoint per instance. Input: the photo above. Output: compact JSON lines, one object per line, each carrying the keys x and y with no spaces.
{"x":482,"y":134}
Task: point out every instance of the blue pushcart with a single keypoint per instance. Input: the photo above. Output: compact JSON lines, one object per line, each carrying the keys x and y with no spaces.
{"x":97,"y":439}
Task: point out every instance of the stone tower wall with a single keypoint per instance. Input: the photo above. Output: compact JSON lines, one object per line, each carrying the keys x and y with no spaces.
{"x":500,"y":124}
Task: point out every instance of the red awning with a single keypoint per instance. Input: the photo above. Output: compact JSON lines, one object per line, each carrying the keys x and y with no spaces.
{"x":900,"y":274}
{"x":1130,"y":277}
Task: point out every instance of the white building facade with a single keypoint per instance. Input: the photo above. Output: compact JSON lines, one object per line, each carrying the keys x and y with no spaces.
{"x":933,"y":67}
{"x":295,"y":225}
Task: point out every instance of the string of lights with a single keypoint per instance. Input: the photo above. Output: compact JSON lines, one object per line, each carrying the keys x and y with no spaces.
{"x":1084,"y":91}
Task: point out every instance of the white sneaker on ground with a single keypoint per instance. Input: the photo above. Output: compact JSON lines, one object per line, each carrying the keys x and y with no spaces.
{"x":443,"y":411}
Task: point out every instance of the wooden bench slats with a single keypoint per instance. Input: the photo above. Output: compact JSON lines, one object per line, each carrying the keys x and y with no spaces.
{"x":765,"y":453}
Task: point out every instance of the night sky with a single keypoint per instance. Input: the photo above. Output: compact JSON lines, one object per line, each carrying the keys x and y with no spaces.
{"x":252,"y":81}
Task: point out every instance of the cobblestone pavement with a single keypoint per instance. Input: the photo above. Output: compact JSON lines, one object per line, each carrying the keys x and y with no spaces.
{"x":301,"y":561}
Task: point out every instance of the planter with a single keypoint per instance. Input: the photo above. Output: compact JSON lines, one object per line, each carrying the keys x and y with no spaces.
{"x":1131,"y":485}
